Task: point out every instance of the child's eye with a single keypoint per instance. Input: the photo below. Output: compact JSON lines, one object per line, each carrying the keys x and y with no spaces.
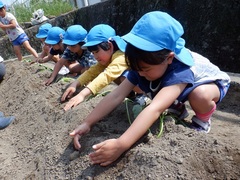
{"x":94,"y":52}
{"x":144,"y":69}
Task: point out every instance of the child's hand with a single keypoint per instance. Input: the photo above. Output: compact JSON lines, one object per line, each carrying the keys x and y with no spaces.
{"x":39,"y":60}
{"x":68,"y":93}
{"x":49,"y":81}
{"x":74,"y":102}
{"x":77,"y":134}
{"x":106,"y":152}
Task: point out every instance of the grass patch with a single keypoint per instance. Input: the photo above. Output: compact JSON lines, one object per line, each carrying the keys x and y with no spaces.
{"x":23,"y":12}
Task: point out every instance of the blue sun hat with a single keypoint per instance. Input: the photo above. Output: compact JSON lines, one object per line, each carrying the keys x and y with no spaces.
{"x":157,"y":30}
{"x":102,"y":33}
{"x":120,"y":42}
{"x":55,"y":35}
{"x":1,"y":4}
{"x":43,"y":30}
{"x":74,"y":35}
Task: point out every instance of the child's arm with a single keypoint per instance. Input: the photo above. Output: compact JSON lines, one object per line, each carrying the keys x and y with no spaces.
{"x":42,"y":55}
{"x":46,"y":58}
{"x":56,"y":69}
{"x":104,"y":77}
{"x":45,"y":51}
{"x":42,"y":58}
{"x":108,"y":151}
{"x":110,"y":102}
{"x":12,"y":24}
{"x":86,"y":78}
{"x":70,"y":90}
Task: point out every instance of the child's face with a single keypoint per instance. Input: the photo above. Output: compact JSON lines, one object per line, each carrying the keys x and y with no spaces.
{"x":103,"y":57}
{"x":75,"y":48}
{"x":56,"y":47}
{"x":2,"y":12}
{"x":153,"y":72}
{"x":46,"y":47}
{"x":43,"y":40}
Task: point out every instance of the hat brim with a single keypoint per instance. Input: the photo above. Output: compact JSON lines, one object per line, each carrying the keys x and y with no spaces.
{"x":185,"y":57}
{"x":91,"y":43}
{"x":70,"y":42}
{"x":141,"y":43}
{"x":182,"y":53}
{"x":51,"y":42}
{"x":120,"y":43}
{"x":41,"y":36}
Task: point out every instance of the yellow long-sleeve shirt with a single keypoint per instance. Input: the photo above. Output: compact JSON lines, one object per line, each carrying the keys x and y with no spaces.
{"x":98,"y":76}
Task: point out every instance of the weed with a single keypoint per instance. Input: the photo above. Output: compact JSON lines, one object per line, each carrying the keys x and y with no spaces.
{"x":23,"y":12}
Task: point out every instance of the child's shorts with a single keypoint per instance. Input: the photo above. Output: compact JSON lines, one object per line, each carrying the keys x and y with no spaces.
{"x":223,"y":86}
{"x":20,"y":39}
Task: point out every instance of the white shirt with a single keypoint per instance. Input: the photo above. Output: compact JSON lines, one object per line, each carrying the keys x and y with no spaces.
{"x":12,"y":33}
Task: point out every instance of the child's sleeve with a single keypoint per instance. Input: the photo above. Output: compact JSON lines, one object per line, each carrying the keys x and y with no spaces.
{"x":10,"y":17}
{"x":90,"y":74}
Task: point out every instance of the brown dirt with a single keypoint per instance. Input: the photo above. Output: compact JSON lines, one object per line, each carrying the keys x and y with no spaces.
{"x":37,"y":145}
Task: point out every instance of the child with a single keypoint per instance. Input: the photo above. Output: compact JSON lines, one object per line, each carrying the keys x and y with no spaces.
{"x":108,"y":49}
{"x":54,"y":41}
{"x":42,"y":35}
{"x":74,"y":58}
{"x":165,"y":70}
{"x":16,"y":34}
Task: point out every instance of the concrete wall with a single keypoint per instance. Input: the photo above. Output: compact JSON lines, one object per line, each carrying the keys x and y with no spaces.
{"x":212,"y":28}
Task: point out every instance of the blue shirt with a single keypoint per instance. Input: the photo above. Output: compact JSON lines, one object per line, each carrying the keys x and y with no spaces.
{"x":202,"y":72}
{"x":176,"y":73}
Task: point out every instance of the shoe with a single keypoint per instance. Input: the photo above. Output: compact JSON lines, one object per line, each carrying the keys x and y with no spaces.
{"x":142,"y":100}
{"x":6,"y":121}
{"x":131,"y":95}
{"x":1,"y":114}
{"x":199,"y":125}
{"x":178,"y":110}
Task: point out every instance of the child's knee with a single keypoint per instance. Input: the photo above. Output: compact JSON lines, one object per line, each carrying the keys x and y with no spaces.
{"x":207,"y":91}
{"x":199,"y":94}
